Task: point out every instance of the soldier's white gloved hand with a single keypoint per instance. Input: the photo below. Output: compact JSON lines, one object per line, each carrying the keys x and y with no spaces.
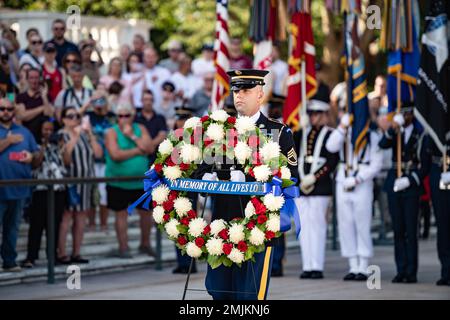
{"x":345,"y":120}
{"x":399,"y":119}
{"x":349,"y":182}
{"x":308,"y":180}
{"x":237,"y":176}
{"x":445,"y":177}
{"x":304,"y":121}
{"x":210,"y":176}
{"x":401,"y":184}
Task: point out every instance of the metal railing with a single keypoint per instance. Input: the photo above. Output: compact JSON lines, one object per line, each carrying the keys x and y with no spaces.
{"x":50,"y":233}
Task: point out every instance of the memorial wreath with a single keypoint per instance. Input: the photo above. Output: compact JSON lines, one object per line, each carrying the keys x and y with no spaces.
{"x":266,"y":215}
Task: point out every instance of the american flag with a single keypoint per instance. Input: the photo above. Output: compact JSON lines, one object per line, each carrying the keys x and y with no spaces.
{"x":221,"y":88}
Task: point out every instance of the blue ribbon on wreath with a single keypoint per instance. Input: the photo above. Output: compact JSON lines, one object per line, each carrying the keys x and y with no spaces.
{"x":289,"y":209}
{"x":151,"y":181}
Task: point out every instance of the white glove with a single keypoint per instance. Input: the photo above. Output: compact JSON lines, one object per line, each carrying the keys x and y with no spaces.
{"x":398,"y":118}
{"x":304,"y":121}
{"x":401,"y":184}
{"x":349,"y":183}
{"x":445,"y":177}
{"x":308,"y":180}
{"x":237,"y":176}
{"x":345,"y":120}
{"x":210,"y":177}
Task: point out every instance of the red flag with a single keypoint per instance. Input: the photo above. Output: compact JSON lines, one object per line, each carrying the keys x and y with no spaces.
{"x":302,"y":47}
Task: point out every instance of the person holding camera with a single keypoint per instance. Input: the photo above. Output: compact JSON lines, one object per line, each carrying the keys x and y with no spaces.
{"x":17,"y":152}
{"x":80,"y":150}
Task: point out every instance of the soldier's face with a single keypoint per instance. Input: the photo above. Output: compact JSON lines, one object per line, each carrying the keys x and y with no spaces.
{"x":248,"y":101}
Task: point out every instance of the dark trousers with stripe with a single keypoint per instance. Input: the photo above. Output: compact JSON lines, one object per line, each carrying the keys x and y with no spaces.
{"x":404,"y":211}
{"x":248,"y":282}
{"x":441,"y":206}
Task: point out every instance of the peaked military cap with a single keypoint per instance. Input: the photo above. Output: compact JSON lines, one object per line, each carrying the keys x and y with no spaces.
{"x":246,"y":78}
{"x":183,"y":112}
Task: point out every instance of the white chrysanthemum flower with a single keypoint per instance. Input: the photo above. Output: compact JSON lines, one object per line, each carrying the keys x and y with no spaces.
{"x":172,"y":173}
{"x":236,"y":232}
{"x":190,"y":153}
{"x":192,"y":122}
{"x":196,"y":226}
{"x":256,"y":236}
{"x":262,"y":173}
{"x":244,"y":124}
{"x":273,"y":223}
{"x":271,"y":150}
{"x":219,"y":115}
{"x":285,"y":172}
{"x":273,"y":203}
{"x":217,"y":226}
{"x":160,"y":194}
{"x":193,"y":250}
{"x":165,"y":147}
{"x":249,"y":210}
{"x":171,"y":228}
{"x":182,"y":205}
{"x":236,"y":256}
{"x":242,"y":151}
{"x":214,"y":246}
{"x":158,"y":213}
{"x":215,"y":132}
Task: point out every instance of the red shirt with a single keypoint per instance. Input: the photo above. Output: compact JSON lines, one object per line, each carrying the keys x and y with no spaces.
{"x":54,"y":82}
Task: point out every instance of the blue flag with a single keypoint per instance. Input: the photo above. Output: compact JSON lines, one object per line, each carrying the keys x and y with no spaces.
{"x":356,"y":84}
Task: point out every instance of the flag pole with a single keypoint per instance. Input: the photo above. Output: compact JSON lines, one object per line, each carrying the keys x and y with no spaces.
{"x":347,"y":104}
{"x":399,"y":100}
{"x":304,"y":103}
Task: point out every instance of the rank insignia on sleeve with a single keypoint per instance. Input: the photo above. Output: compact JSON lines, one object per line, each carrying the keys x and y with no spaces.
{"x":292,"y":157}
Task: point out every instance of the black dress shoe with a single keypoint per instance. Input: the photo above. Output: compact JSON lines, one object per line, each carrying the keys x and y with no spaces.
{"x":398,"y":279}
{"x":317,"y":275}
{"x":276,"y":273}
{"x":411,"y":279}
{"x":361,"y":277}
{"x":443,"y":282}
{"x":350,"y":276}
{"x":306,"y":275}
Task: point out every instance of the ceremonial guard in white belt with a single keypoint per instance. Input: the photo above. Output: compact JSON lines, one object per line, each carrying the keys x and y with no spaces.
{"x":404,"y":191}
{"x":316,"y":166}
{"x":354,"y":195}
{"x":251,"y":280}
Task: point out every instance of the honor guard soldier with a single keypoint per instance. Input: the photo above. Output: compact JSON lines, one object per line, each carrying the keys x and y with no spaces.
{"x":354,"y":195}
{"x":404,"y":192}
{"x":434,"y":159}
{"x":251,"y":280}
{"x":316,"y":166}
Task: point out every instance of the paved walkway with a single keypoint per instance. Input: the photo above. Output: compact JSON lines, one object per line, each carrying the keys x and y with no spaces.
{"x":151,"y":284}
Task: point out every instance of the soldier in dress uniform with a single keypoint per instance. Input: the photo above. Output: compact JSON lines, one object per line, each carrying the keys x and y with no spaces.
{"x":251,"y":280}
{"x":354,"y":195}
{"x":316,"y":166}
{"x":404,"y":192}
{"x":433,"y":161}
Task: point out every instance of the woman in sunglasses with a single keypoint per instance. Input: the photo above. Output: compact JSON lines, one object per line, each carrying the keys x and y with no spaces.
{"x":128,"y":144}
{"x":36,"y":55}
{"x":80,"y":148}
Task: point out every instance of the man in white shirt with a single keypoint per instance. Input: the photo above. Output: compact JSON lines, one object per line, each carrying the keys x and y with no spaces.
{"x":280,"y":72}
{"x":205,"y":63}
{"x":154,"y":77}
